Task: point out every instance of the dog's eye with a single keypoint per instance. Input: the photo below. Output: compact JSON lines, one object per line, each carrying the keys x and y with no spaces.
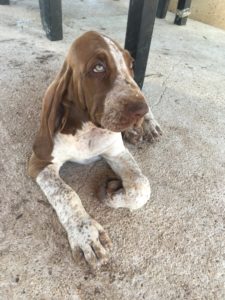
{"x":99,"y":68}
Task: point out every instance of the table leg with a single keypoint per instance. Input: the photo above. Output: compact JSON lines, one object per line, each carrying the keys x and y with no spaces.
{"x":51,"y":17}
{"x":4,"y":2}
{"x":162,"y":8}
{"x":183,"y":11}
{"x":141,"y":18}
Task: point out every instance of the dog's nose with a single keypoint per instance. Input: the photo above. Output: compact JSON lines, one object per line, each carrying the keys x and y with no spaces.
{"x":137,"y":110}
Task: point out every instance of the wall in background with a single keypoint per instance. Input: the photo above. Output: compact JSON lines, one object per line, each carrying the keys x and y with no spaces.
{"x":207,"y":11}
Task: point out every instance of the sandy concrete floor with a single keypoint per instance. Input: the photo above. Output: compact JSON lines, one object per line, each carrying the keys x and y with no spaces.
{"x":173,"y":248}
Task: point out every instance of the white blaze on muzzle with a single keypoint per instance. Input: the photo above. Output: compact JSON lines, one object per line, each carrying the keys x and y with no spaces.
{"x":123,"y":91}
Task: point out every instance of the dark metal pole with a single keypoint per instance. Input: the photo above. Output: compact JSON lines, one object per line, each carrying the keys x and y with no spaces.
{"x":162,"y":8}
{"x":51,"y":17}
{"x":4,"y":2}
{"x":140,"y":23}
{"x":183,"y":11}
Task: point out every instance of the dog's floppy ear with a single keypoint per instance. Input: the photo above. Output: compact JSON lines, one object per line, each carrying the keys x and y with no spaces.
{"x":51,"y":110}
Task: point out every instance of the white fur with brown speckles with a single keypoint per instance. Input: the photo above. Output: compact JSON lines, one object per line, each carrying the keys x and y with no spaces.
{"x":88,"y":144}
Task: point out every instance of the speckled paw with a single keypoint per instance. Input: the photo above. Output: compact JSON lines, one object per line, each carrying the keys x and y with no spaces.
{"x":133,"y":135}
{"x":92,"y":239}
{"x":151,"y":130}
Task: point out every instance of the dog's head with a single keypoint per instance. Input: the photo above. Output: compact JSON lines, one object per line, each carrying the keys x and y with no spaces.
{"x":95,"y":84}
{"x":112,"y":97}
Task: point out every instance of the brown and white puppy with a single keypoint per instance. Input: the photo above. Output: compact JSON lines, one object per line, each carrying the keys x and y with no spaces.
{"x":91,"y":101}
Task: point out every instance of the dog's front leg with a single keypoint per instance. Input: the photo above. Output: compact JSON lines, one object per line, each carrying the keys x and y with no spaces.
{"x":82,"y":230}
{"x":135,"y":190}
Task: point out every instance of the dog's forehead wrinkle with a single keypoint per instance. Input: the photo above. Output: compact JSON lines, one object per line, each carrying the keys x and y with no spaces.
{"x":118,"y":58}
{"x":122,"y":69}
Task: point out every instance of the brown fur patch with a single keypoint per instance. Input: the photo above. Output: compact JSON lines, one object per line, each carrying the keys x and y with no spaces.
{"x":36,"y":165}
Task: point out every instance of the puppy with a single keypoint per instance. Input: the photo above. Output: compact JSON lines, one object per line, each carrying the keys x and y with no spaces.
{"x":92,"y":100}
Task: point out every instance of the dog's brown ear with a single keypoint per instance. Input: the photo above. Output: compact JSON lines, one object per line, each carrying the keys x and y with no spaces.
{"x":51,"y":113}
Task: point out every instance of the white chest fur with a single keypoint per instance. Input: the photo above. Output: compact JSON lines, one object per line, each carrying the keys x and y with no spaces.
{"x":86,"y":145}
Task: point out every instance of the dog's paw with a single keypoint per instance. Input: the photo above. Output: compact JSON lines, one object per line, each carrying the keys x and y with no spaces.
{"x":110,"y":187}
{"x":91,"y":238}
{"x":113,"y":186}
{"x":151,"y":129}
{"x":114,"y":195}
{"x":134,"y":135}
